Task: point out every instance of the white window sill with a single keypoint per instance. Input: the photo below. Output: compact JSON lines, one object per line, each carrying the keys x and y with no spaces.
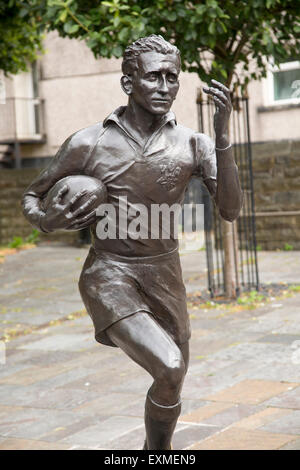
{"x":278,"y":107}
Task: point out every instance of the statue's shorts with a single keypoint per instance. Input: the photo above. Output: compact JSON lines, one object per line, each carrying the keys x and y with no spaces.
{"x":114,"y":287}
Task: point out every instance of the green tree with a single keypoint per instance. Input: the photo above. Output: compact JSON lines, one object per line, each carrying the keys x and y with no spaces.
{"x":228,"y":40}
{"x":20,"y":36}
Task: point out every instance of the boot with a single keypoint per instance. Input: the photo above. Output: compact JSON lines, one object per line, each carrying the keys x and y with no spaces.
{"x":160,"y":422}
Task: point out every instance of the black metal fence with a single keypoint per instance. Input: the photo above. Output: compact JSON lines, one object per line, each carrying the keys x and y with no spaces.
{"x":243,"y":236}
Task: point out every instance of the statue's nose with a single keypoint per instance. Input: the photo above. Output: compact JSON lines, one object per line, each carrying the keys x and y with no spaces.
{"x":163,"y":87}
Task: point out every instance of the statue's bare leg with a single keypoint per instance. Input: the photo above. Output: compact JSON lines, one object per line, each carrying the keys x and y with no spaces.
{"x":150,"y":346}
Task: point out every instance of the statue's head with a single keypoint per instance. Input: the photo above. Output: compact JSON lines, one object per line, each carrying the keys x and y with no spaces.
{"x":151,"y":68}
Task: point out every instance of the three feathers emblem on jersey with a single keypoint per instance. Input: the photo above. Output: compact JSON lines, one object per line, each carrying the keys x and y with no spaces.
{"x":169,"y":175}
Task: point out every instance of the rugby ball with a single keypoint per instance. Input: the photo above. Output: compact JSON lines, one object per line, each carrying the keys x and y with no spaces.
{"x":76,"y":184}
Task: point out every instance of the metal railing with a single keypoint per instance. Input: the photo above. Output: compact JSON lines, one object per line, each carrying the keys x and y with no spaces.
{"x":244,"y":229}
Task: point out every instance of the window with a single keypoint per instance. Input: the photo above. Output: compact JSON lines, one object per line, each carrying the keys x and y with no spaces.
{"x":21,"y":111}
{"x":284,"y":83}
{"x":25,"y":96}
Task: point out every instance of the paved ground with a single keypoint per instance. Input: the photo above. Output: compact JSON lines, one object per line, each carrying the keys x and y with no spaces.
{"x":59,"y":389}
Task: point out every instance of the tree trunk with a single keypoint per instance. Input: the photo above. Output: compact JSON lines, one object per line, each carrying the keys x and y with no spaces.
{"x":229,"y":260}
{"x":231,"y":255}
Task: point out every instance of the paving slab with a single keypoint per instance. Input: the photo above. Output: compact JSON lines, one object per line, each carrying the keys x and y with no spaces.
{"x":101,"y":433}
{"x":70,"y":342}
{"x":35,"y":423}
{"x":205,"y":412}
{"x":231,"y":415}
{"x":290,"y":399}
{"x":261,"y":418}
{"x":251,"y":392}
{"x":279,"y":338}
{"x":286,"y":424}
{"x":238,"y":439}
{"x":286,"y":372}
{"x":27,"y":444}
{"x":185,"y":437}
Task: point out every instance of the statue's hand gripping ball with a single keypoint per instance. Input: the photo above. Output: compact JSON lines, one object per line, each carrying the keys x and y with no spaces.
{"x":93,"y":193}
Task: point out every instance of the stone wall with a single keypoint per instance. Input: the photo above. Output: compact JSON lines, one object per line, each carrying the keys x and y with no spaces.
{"x":12,"y":222}
{"x":276,"y":170}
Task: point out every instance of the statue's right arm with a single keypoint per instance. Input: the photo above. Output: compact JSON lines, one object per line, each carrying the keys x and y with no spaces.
{"x":32,"y":198}
{"x":70,"y":159}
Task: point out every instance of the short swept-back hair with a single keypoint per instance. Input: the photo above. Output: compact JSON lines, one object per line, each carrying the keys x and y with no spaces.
{"x":147,"y":44}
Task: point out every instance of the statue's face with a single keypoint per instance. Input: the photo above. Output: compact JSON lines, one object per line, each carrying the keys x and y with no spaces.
{"x":155,"y":83}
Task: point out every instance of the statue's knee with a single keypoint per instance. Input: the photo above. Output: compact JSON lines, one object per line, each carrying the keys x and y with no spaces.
{"x":172,"y":373}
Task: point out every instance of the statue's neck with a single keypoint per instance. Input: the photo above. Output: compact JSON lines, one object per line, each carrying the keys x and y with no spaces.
{"x":139,"y":121}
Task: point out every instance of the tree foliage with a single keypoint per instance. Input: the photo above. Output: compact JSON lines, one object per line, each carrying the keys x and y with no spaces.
{"x":20,"y":36}
{"x":217,"y":39}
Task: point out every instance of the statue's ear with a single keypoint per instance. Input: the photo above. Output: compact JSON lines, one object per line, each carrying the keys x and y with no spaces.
{"x":126,"y":84}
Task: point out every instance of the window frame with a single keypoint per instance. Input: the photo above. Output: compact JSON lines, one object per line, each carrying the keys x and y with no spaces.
{"x":285,"y":66}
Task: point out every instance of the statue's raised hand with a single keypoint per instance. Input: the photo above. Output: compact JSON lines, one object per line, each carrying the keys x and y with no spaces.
{"x":221,"y":97}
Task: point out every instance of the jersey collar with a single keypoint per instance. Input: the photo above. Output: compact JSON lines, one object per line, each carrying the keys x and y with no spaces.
{"x":168,"y":118}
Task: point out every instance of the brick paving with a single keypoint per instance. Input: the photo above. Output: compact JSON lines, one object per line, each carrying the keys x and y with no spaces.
{"x":59,"y":389}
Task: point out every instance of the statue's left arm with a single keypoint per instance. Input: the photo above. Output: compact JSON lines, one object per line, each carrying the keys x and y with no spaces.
{"x":225,"y":188}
